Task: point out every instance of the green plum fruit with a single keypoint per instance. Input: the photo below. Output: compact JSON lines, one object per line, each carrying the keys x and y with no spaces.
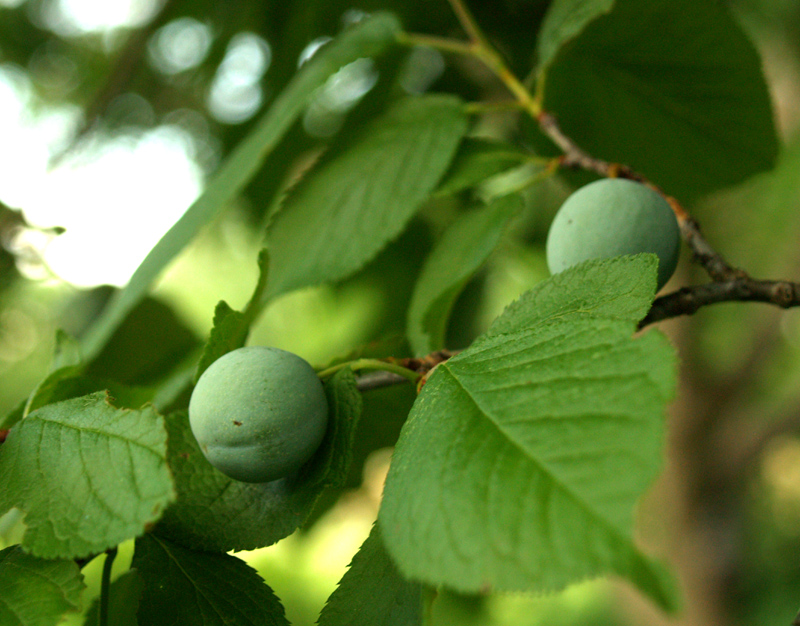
{"x":612,"y":217}
{"x":258,"y":413}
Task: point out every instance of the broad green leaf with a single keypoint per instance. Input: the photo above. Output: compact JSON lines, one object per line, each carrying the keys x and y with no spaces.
{"x":477,"y":160}
{"x":385,"y":411}
{"x":87,"y":474}
{"x":191,"y":588}
{"x":565,"y":19}
{"x":372,"y":592}
{"x":522,"y":461}
{"x":460,"y":252}
{"x":367,"y":38}
{"x":523,"y":458}
{"x":35,"y":591}
{"x":350,"y":206}
{"x":336,"y":451}
{"x":619,"y":288}
{"x":214,"y":512}
{"x":123,"y":601}
{"x":672,"y":88}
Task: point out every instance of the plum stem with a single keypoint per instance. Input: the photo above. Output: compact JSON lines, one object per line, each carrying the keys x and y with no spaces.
{"x":373,"y":364}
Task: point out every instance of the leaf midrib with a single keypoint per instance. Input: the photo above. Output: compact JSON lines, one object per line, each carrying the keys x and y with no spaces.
{"x":591,"y":512}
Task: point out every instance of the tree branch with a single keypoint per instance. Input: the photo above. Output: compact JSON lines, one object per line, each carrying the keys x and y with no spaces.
{"x":687,"y":300}
{"x":422,"y":365}
{"x":576,"y":157}
{"x":469,"y":24}
{"x":730,"y":283}
{"x":377,"y":380}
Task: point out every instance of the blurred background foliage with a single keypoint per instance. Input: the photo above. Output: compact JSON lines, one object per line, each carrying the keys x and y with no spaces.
{"x":113,"y":111}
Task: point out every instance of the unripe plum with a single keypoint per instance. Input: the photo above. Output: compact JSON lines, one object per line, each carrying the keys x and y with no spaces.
{"x":612,"y":217}
{"x":258,"y":413}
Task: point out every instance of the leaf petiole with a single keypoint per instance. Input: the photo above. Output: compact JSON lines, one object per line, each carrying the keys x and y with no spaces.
{"x":443,"y":44}
{"x":105,"y":585}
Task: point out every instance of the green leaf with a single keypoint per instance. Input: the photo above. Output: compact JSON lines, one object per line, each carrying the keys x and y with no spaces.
{"x":373,"y":592}
{"x":673,"y":88}
{"x":229,"y":332}
{"x":63,"y":384}
{"x":564,"y":20}
{"x":123,"y":601}
{"x":214,"y":512}
{"x":35,"y":591}
{"x":332,"y":464}
{"x":522,"y":460}
{"x":385,"y":411}
{"x":619,"y":288}
{"x":60,"y":389}
{"x":348,"y":208}
{"x":66,"y":363}
{"x":477,"y":160}
{"x":460,"y":252}
{"x":201,"y":588}
{"x":87,"y":474}
{"x":231,"y":328}
{"x":13,"y":416}
{"x":67,"y":352}
{"x":367,"y":38}
{"x":145,"y":348}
